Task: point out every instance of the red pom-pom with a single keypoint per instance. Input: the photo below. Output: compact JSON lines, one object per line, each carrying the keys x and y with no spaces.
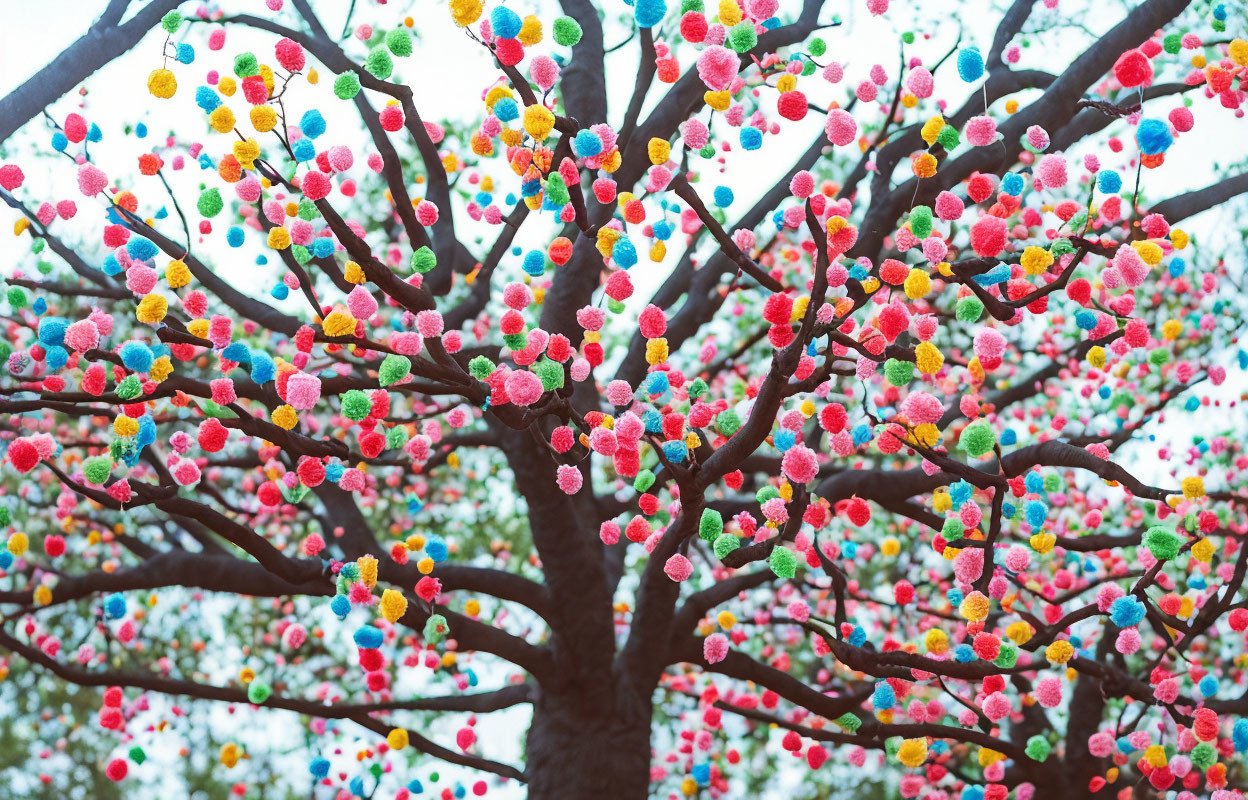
{"x":116,"y":770}
{"x":509,"y":52}
{"x":316,"y":185}
{"x":23,"y":455}
{"x":793,"y":105}
{"x":290,"y":55}
{"x":858,"y":511}
{"x":979,"y":187}
{"x":693,"y":27}
{"x":391,"y":118}
{"x":54,"y":546}
{"x":1133,"y":69}
{"x":778,"y":309}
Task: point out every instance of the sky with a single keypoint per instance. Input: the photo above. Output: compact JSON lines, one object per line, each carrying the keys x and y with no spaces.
{"x":447,"y":76}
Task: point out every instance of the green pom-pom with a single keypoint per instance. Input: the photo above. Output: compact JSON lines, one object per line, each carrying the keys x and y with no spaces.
{"x":258,"y":692}
{"x":643,"y":481}
{"x":818,"y":47}
{"x":129,"y":388}
{"x":766,"y":493}
{"x":17,"y":299}
{"x":692,"y":5}
{"x":948,"y":137}
{"x":977,"y":439}
{"x":808,"y":69}
{"x":1172,"y":44}
{"x":1053,"y":482}
{"x":350,"y":571}
{"x":346,"y":85}
{"x":725,"y":543}
{"x":379,"y":63}
{"x":6,"y":516}
{"x":557,"y":190}
{"x":1037,"y":748}
{"x":246,"y":65}
{"x":727,"y":422}
{"x":1162,"y":543}
{"x":399,"y":42}
{"x":742,"y":37}
{"x":210,"y":203}
{"x":697,"y":389}
{"x":783,"y":563}
{"x":566,"y":31}
{"x":908,"y":37}
{"x":96,"y":469}
{"x":615,"y":306}
{"x":968,"y":309}
{"x":396,"y":437}
{"x":952,"y":530}
{"x":137,"y":755}
{"x":301,"y":253}
{"x":423,"y":260}
{"x":173,"y":20}
{"x":515,"y":341}
{"x":898,"y":373}
{"x":1159,"y":357}
{"x":355,"y":405}
{"x":921,"y":221}
{"x":481,"y":367}
{"x":1008,"y":657}
{"x":551,"y":374}
{"x":848,"y":722}
{"x":1204,"y":756}
{"x":436,"y":629}
{"x":711,"y":525}
{"x":308,"y":210}
{"x":394,"y":368}
{"x":707,"y":151}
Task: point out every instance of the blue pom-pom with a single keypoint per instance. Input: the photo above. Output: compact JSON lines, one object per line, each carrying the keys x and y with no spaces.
{"x":52,"y":330}
{"x":436,"y":548}
{"x":652,"y":421}
{"x":40,"y":306}
{"x":1239,"y":735}
{"x":59,"y":142}
{"x":333,"y":471}
{"x":368,"y":638}
{"x":136,"y":356}
{"x":1126,"y":611}
{"x":959,"y":493}
{"x":1108,"y":181}
{"x":1034,"y":482}
{"x":1013,"y":184}
{"x":94,"y":134}
{"x":6,"y":559}
{"x":970,"y":64}
{"x":534,"y":262}
{"x":883,"y":698}
{"x":857,"y":637}
{"x":649,"y":12}
{"x":1036,"y":513}
{"x":656,"y":383}
{"x":280,"y":291}
{"x":964,"y":654}
{"x":505,"y":23}
{"x":262,"y":368}
{"x":186,"y":53}
{"x":56,"y":357}
{"x":624,"y":254}
{"x":207,"y":99}
{"x":1208,"y":686}
{"x":701,"y":774}
{"x":675,"y":450}
{"x":784,"y":439}
{"x":751,"y":138}
{"x":304,"y":150}
{"x":140,"y":131}
{"x":1153,"y":136}
{"x":663,"y":230}
{"x":1177,"y":267}
{"x":237,"y":352}
{"x":312,"y":123}
{"x":115,"y":606}
{"x":147,"y":431}
{"x":506,"y":110}
{"x":234,"y":236}
{"x":723,"y":196}
{"x":586,"y":144}
{"x":1085,"y":319}
{"x":319,"y":767}
{"x":323,"y":247}
{"x":141,"y":249}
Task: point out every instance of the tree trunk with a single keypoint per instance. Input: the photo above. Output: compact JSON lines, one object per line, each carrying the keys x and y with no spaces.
{"x":589,"y":748}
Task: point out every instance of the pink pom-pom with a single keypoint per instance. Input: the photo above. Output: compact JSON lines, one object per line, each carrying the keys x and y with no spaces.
{"x":11,"y":177}
{"x":997,"y":706}
{"x":361,"y":303}
{"x":303,"y":390}
{"x":1052,"y":170}
{"x":568,"y":478}
{"x":82,"y":335}
{"x":652,"y":322}
{"x":717,"y":67}
{"x":1048,"y":692}
{"x":802,"y":185}
{"x":429,"y":323}
{"x":799,"y":464}
{"x":619,"y":393}
{"x":91,"y":181}
{"x":678,"y":568}
{"x":316,"y":185}
{"x":921,"y":408}
{"x":290,"y":55}
{"x":609,"y":532}
{"x":523,"y":387}
{"x":948,"y":206}
{"x":1038,"y":137}
{"x":981,"y":131}
{"x":840,"y":127}
{"x":715,"y":648}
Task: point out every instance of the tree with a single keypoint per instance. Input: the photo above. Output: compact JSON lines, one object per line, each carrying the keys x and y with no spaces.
{"x":877,"y":477}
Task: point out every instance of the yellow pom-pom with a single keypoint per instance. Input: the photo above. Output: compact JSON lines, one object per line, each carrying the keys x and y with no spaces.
{"x":1171,"y":329}
{"x":161,"y":368}
{"x":538,"y":121}
{"x":1036,"y":260}
{"x":229,"y":755}
{"x":1203,"y":550}
{"x":923,"y":165}
{"x":246,"y":675}
{"x":988,"y":757}
{"x":530,"y":31}
{"x":197,"y":327}
{"x":247,"y":151}
{"x":909,"y":101}
{"x":393,"y":605}
{"x":890,"y":547}
{"x":354,"y":273}
{"x":729,"y":12}
{"x":1059,"y":652}
{"x":936,"y":641}
{"x":1150,"y":252}
{"x":1193,"y":487}
{"x":726,"y":620}
{"x":397,"y":738}
{"x":659,"y":150}
{"x":1019,"y":632}
{"x":279,"y":238}
{"x":472,"y":608}
{"x":221,"y":119}
{"x":717,"y":100}
{"x":1178,"y":238}
{"x":606,"y":240}
{"x":42,"y":595}
{"x":263,"y":118}
{"x":414,"y":542}
{"x":425,"y":565}
{"x":1097,"y":356}
{"x":1042,"y":542}
{"x":1155,"y":755}
{"x":152,"y":309}
{"x":227,"y":86}
{"x":285,"y":416}
{"x":1238,"y":51}
{"x":18,"y":543}
{"x":177,"y":274}
{"x":927,"y":358}
{"x":658,"y":251}
{"x":466,"y":12}
{"x":656,"y":351}
{"x":786,"y":83}
{"x":612,"y":162}
{"x":125,"y":426}
{"x":931,"y":129}
{"x":918,"y":283}
{"x":912,"y":752}
{"x":975,"y":607}
{"x":368,"y":570}
{"x":941,"y":501}
{"x":162,"y":83}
